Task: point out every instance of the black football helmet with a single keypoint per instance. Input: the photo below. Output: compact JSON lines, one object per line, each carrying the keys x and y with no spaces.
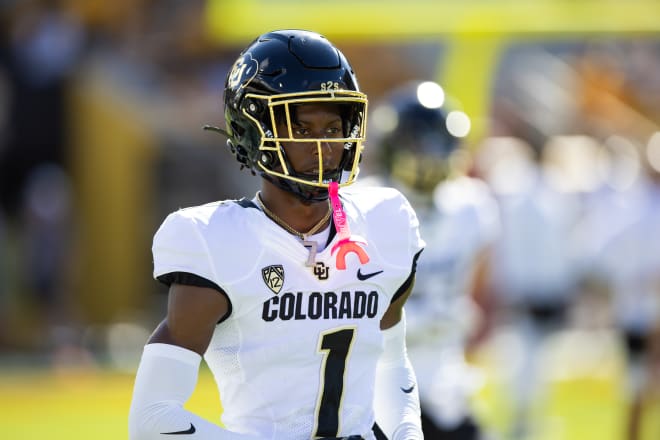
{"x":412,"y":131}
{"x":277,"y":71}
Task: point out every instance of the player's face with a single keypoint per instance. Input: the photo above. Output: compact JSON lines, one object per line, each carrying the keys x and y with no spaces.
{"x":314,"y":121}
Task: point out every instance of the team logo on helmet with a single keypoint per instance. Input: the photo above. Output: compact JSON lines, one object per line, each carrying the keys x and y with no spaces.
{"x":273,"y":276}
{"x":245,"y":68}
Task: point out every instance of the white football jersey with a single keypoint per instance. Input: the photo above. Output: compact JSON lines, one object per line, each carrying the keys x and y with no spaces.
{"x":628,"y":259}
{"x":297,"y":355}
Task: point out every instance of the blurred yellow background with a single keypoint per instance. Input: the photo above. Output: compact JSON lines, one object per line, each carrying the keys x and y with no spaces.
{"x":134,"y":82}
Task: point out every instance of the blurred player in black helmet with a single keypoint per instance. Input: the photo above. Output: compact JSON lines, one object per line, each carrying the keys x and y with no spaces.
{"x":294,"y":296}
{"x":416,"y":145}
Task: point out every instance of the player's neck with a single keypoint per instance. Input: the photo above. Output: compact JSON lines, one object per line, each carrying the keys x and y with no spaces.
{"x":294,"y":212}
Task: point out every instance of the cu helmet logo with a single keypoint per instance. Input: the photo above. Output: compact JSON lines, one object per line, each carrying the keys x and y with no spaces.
{"x":245,"y":68}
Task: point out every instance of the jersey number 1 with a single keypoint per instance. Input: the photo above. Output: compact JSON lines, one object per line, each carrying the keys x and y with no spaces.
{"x":335,"y":345}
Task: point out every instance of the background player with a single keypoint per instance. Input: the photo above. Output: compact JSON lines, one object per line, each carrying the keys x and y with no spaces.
{"x":419,"y":151}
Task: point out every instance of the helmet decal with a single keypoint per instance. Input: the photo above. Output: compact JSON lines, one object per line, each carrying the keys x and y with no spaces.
{"x":244,"y":70}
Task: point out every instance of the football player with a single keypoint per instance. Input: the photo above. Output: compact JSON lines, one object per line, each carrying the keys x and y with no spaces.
{"x":620,"y":257}
{"x":294,"y":297}
{"x":418,"y":148}
{"x":533,"y":270}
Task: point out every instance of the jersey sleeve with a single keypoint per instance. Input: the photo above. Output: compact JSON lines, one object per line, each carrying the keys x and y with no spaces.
{"x":178,"y":246}
{"x":390,"y":224}
{"x":415,"y":241}
{"x":402,"y":222}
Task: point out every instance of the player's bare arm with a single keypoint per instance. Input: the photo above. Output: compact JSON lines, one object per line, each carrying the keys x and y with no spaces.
{"x":192,"y":315}
{"x":394,"y":311}
{"x":170,"y":364}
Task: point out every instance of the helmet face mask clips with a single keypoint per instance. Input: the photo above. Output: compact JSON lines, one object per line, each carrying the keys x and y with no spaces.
{"x":277,"y":73}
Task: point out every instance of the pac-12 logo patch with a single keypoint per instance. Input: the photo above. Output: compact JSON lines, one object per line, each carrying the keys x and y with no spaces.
{"x":273,"y":276}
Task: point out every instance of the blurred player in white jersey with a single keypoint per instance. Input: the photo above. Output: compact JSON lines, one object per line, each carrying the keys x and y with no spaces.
{"x":533,"y":270}
{"x":294,"y":297}
{"x":625,"y":255}
{"x":419,"y":150}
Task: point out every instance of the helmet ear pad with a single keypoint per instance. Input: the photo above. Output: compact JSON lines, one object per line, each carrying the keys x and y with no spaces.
{"x":239,"y":152}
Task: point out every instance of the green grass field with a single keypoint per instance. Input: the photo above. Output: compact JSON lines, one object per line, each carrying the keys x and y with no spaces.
{"x":584,"y":401}
{"x":91,"y":405}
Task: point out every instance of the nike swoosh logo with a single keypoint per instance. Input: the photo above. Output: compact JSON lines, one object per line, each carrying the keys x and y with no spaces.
{"x":408,"y":390}
{"x":190,"y":430}
{"x":365,"y":276}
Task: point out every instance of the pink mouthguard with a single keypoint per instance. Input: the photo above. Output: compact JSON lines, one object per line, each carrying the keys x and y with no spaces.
{"x":347,"y":243}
